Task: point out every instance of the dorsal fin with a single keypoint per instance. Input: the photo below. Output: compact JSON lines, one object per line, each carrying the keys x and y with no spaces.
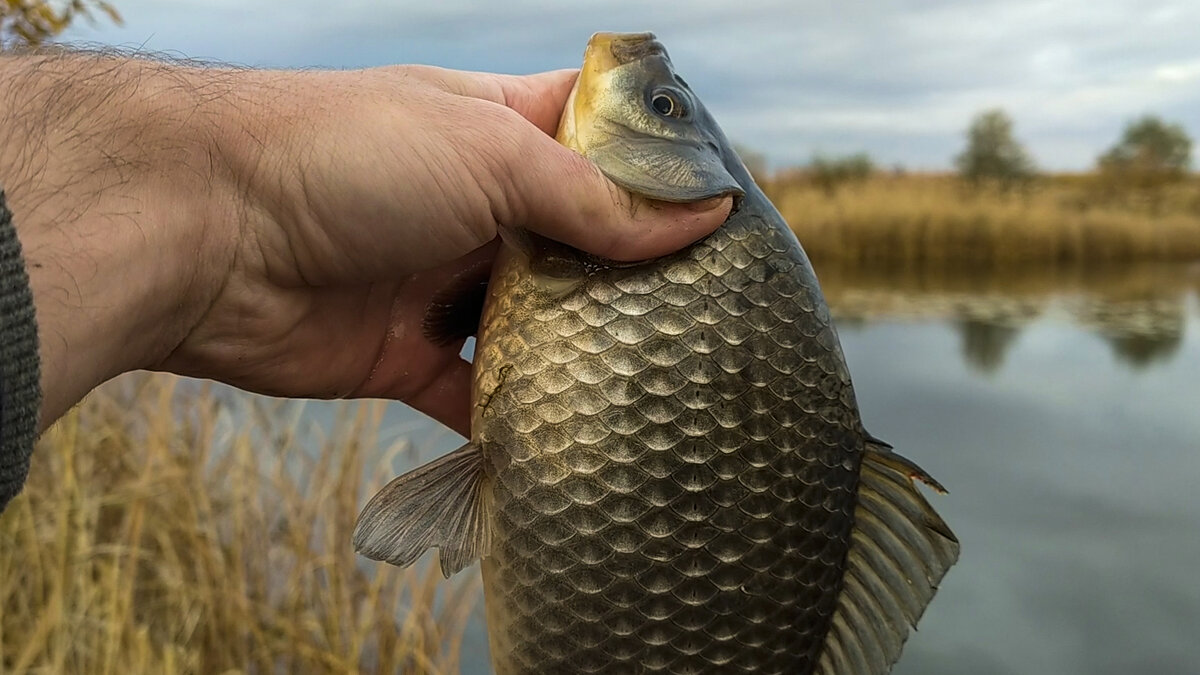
{"x":440,"y":504}
{"x":899,"y":551}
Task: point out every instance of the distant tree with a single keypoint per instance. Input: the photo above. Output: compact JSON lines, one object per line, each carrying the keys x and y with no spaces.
{"x":992,"y":154}
{"x":33,"y":22}
{"x":830,"y":173}
{"x":1150,"y":155}
{"x":756,"y":162}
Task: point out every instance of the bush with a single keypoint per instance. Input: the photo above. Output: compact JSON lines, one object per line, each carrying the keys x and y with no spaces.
{"x":830,"y":173}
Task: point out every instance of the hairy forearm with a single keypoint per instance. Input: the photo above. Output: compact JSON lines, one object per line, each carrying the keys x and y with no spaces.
{"x":121,"y":205}
{"x":283,"y":231}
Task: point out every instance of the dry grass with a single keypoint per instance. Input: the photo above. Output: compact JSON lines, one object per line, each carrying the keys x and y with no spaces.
{"x":924,"y":220}
{"x":164,"y":530}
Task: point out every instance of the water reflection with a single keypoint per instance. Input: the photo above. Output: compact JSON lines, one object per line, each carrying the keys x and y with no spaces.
{"x":1142,"y":350}
{"x":1141,"y":331}
{"x":984,"y":343}
{"x":1071,"y":464}
{"x":1140,"y":311}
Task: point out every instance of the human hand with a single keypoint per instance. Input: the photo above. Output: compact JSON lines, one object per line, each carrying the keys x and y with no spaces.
{"x":285,"y":231}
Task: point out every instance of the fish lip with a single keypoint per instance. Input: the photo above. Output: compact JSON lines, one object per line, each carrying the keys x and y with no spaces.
{"x":611,"y":50}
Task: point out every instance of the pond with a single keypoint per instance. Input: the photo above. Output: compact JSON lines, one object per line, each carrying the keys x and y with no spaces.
{"x":1062,"y":411}
{"x":1063,"y":414}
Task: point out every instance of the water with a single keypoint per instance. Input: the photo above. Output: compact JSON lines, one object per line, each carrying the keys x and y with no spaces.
{"x":1061,"y":410}
{"x":1063,"y":415}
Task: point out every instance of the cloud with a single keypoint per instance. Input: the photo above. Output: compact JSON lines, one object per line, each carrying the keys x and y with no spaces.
{"x":1178,"y":73}
{"x":789,"y":78}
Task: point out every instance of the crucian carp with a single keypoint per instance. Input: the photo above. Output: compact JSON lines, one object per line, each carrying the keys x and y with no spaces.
{"x":667,"y":471}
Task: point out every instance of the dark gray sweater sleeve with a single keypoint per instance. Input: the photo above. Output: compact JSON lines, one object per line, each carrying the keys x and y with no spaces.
{"x":20,"y":387}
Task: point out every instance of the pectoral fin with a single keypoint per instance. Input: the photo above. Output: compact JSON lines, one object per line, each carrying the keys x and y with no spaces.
{"x":555,"y":268}
{"x":453,"y":313}
{"x":440,"y":504}
{"x":899,"y":551}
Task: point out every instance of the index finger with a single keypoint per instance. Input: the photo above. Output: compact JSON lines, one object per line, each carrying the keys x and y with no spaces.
{"x":539,"y":98}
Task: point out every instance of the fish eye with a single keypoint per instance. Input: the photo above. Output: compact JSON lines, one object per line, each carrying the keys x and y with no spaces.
{"x":667,"y":104}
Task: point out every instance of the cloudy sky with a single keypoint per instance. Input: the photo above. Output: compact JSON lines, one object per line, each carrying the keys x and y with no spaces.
{"x":899,"y":79}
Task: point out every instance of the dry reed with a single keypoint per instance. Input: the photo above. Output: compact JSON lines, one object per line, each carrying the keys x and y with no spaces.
{"x":167,"y":528}
{"x":935,"y":220}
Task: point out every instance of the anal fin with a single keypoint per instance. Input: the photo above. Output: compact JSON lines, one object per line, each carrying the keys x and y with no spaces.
{"x":439,"y":504}
{"x":899,"y":551}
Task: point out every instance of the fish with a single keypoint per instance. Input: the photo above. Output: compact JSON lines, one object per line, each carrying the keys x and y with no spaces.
{"x":667,"y":470}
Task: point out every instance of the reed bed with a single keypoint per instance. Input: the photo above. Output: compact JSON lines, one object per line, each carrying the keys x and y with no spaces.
{"x":920,"y":220}
{"x":172,"y":528}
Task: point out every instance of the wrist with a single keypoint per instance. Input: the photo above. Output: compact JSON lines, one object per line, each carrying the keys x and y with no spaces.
{"x":121,"y":234}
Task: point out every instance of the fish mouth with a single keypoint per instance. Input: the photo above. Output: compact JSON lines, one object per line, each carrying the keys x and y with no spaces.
{"x":606,"y":51}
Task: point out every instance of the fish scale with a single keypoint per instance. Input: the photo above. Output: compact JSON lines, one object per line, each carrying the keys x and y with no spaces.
{"x":721,"y":536}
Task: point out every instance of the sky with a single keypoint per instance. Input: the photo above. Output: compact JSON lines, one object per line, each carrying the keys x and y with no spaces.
{"x":897,"y":79}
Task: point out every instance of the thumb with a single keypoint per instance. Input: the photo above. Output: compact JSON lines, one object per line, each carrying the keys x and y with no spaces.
{"x":560,"y":194}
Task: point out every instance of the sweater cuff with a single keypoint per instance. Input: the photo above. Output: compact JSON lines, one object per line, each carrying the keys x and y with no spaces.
{"x":20,"y":380}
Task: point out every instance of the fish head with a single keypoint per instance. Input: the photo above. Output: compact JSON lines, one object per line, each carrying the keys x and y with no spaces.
{"x":641,"y":124}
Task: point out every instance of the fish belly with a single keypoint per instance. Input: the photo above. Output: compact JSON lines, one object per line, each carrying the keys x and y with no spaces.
{"x":672,"y":458}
